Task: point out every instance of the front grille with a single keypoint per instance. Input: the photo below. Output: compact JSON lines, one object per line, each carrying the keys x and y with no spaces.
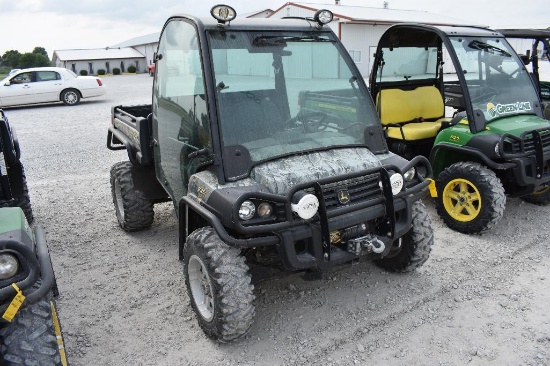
{"x":513,"y":145}
{"x":360,"y":189}
{"x":529,"y":142}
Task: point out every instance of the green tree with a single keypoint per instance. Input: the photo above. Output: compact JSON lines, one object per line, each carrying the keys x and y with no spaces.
{"x":33,"y":60}
{"x":11,"y":58}
{"x":40,"y":50}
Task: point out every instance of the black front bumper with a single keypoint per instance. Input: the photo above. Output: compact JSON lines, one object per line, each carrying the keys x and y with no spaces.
{"x":306,"y":243}
{"x":531,"y":158}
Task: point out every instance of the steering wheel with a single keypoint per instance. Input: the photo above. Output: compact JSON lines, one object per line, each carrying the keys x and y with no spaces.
{"x":311,"y":121}
{"x":487,"y":95}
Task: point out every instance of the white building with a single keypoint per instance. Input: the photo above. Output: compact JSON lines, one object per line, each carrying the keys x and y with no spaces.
{"x":92,"y":60}
{"x":359,"y":28}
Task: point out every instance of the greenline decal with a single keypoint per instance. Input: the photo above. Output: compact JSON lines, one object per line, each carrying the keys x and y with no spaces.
{"x":501,"y":109}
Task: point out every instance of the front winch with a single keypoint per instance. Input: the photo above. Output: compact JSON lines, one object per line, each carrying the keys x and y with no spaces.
{"x":370,"y":243}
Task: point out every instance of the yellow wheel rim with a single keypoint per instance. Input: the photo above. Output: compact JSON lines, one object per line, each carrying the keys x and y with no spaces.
{"x":461,"y":200}
{"x":541,"y":191}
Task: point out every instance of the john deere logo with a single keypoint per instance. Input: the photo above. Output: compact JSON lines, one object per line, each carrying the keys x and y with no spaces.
{"x":343,"y":197}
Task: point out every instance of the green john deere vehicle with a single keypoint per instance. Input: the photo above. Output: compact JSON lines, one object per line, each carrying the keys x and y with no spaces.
{"x":30,"y":333}
{"x":540,"y":50}
{"x":462,"y":97}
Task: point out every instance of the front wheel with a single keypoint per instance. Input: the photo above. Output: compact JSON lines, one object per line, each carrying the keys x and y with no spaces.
{"x":413,"y":249}
{"x":219,"y":286}
{"x":133,"y":211}
{"x":540,"y":197}
{"x":471,"y":198}
{"x":70,"y":97}
{"x":34,"y":336}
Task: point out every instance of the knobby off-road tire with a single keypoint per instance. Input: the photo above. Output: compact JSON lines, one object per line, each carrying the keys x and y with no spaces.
{"x":133,"y":211}
{"x":219,"y":286}
{"x":541,"y":197}
{"x":19,"y":190}
{"x":471,"y":198}
{"x":31,"y":337}
{"x":413,"y":249}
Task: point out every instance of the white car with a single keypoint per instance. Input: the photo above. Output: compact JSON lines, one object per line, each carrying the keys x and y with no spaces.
{"x":47,"y":85}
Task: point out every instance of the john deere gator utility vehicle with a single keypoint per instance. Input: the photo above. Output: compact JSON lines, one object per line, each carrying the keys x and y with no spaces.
{"x":462,"y":97}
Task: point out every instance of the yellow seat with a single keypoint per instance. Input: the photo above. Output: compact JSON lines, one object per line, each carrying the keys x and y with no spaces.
{"x":404,"y":112}
{"x":415,"y":131}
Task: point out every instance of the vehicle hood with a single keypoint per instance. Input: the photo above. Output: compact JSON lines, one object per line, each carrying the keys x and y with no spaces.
{"x":282,"y":174}
{"x":516,"y":125}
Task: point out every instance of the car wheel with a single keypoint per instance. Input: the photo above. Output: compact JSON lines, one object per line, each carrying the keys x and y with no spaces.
{"x":70,"y":97}
{"x":133,"y":211}
{"x":471,"y":198}
{"x":413,"y":249}
{"x":219,"y":286}
{"x":540,"y":197}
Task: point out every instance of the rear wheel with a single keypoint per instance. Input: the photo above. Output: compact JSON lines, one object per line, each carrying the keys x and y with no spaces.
{"x":471,"y":198}
{"x":70,"y":97}
{"x":133,"y":211}
{"x":34,"y":336}
{"x":413,"y":249}
{"x":19,"y":191}
{"x":219,"y":286}
{"x":540,"y":197}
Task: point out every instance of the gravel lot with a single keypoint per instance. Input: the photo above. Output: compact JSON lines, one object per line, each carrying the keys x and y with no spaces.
{"x":479,"y":300}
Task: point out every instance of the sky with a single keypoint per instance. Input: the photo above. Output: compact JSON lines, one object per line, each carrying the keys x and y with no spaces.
{"x":84,"y":24}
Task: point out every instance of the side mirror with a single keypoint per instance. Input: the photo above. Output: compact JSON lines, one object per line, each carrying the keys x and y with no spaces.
{"x":525,"y":59}
{"x":7,"y":83}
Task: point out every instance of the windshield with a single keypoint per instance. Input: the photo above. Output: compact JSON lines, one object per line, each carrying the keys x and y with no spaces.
{"x":285,"y":94}
{"x":497,"y":81}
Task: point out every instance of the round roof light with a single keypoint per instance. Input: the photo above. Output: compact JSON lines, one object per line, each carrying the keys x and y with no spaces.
{"x":223,"y":13}
{"x":323,"y":16}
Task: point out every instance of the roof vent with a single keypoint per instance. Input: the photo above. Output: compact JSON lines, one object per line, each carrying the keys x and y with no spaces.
{"x":337,"y":2}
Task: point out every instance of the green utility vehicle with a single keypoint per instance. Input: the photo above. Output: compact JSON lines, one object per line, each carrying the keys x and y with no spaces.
{"x":30,"y":333}
{"x":29,"y":328}
{"x":258,"y":178}
{"x":539,"y":51}
{"x":462,"y":97}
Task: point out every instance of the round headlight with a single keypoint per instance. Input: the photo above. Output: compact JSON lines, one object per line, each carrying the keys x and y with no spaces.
{"x":409,"y":174}
{"x":264,"y":210}
{"x":247,"y":210}
{"x":497,"y":152}
{"x":305,"y":205}
{"x":323,"y":16}
{"x":8,"y":266}
{"x":396,"y":181}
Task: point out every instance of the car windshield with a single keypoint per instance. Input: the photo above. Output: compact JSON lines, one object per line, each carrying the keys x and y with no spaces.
{"x":497,"y":81}
{"x":285,"y":94}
